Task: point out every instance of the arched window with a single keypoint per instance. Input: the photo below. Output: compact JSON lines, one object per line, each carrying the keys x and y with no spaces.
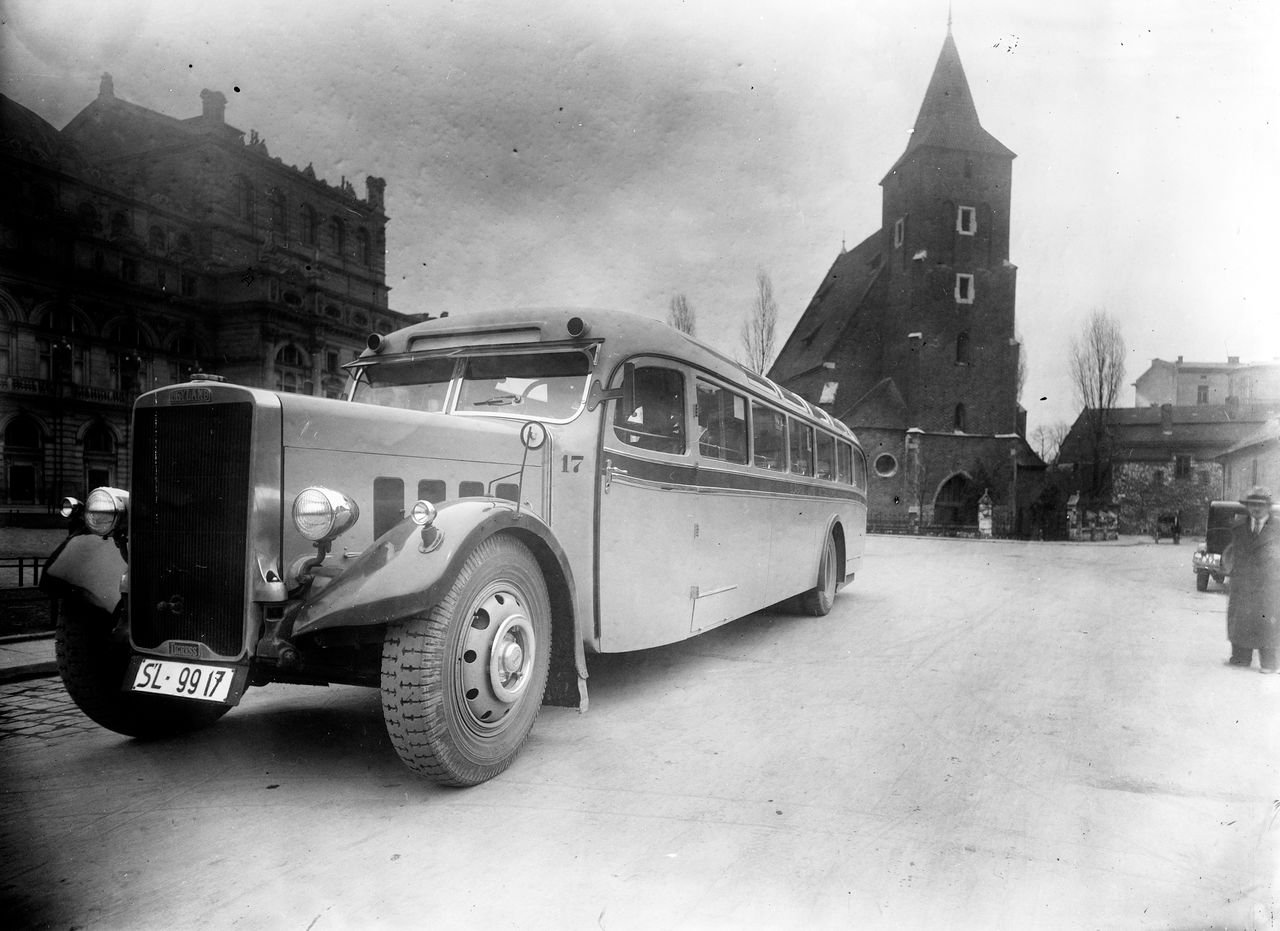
{"x":23,"y":451}
{"x":279,"y":216}
{"x":119,"y":224}
{"x":362,"y":247}
{"x":128,"y":365}
{"x":155,"y":239}
{"x":961,"y":418}
{"x":962,"y":349}
{"x":62,"y":356}
{"x":184,"y":243}
{"x":293,"y":371}
{"x":337,"y":236}
{"x":244,"y":198}
{"x":307,"y":225}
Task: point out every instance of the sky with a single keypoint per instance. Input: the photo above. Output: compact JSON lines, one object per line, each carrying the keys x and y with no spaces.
{"x":611,"y":153}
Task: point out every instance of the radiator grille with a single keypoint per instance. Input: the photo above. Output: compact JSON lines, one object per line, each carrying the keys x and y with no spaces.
{"x":188,"y":525}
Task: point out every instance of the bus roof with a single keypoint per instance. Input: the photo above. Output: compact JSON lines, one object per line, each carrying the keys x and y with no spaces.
{"x":623,"y":334}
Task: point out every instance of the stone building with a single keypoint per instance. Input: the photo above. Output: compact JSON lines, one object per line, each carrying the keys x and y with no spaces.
{"x":136,"y":248}
{"x":1255,"y":460}
{"x":1173,"y":458}
{"x":910,"y":339}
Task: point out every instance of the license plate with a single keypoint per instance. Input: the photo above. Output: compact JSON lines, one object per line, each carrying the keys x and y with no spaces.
{"x":184,"y":680}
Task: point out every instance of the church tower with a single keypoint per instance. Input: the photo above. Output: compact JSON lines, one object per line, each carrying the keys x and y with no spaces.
{"x":945,"y":235}
{"x":910,"y":337}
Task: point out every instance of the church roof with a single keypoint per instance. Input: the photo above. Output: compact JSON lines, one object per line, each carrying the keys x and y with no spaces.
{"x":948,"y":118}
{"x":832,"y":309}
{"x":883,"y":406}
{"x":26,"y":134}
{"x":110,"y":126}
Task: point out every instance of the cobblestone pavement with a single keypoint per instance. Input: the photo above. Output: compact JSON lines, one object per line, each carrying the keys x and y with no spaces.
{"x":39,"y":709}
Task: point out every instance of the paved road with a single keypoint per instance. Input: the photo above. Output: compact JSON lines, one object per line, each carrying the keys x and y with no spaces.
{"x":982,"y":735}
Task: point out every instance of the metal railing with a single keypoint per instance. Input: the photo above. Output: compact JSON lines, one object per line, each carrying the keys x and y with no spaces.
{"x":21,"y":568}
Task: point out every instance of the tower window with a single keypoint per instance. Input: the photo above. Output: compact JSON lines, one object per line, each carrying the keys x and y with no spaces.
{"x":899,"y":231}
{"x":964,"y":289}
{"x":968,"y":168}
{"x":962,"y":418}
{"x":966,"y":221}
{"x":962,"y":349}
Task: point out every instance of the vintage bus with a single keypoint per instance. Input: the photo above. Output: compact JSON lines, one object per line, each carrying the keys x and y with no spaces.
{"x":493,"y":500}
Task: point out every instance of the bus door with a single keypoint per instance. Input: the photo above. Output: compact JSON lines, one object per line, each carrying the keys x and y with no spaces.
{"x":734,"y":523}
{"x":647,"y":515}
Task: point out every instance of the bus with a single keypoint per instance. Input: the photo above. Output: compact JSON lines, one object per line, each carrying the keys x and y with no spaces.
{"x":492,"y":501}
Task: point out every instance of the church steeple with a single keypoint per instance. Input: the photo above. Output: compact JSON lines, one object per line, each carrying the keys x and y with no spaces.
{"x":948,"y":118}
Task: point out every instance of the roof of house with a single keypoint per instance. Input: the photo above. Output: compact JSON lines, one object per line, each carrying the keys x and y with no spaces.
{"x":1145,"y":434}
{"x":1268,"y":433}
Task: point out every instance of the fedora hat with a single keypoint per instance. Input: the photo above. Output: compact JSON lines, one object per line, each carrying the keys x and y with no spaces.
{"x":1257,"y":495}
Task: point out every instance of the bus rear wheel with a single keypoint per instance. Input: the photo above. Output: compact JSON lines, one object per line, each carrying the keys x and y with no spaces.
{"x":819,"y":599}
{"x":462,"y":685}
{"x":93,"y":662}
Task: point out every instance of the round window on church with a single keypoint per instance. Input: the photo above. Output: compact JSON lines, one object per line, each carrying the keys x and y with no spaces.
{"x":886,"y":465}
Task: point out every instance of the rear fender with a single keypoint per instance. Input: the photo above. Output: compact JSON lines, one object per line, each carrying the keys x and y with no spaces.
{"x":88,"y":568}
{"x":407,"y":571}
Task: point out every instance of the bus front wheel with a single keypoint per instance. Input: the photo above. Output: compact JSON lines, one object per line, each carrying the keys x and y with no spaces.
{"x":462,"y":685}
{"x":92,"y":663}
{"x":819,"y":599}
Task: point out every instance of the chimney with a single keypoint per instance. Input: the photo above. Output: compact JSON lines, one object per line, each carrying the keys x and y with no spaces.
{"x":106,"y":87}
{"x":375,"y":191}
{"x":1166,"y":419}
{"x":215,"y":106}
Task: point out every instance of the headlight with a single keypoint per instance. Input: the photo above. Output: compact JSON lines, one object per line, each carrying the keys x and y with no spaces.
{"x":322,"y":513}
{"x":423,"y":513}
{"x":105,"y":510}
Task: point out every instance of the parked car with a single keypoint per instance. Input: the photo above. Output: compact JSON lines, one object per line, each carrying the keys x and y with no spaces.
{"x":1168,"y":526}
{"x":1212,"y":558}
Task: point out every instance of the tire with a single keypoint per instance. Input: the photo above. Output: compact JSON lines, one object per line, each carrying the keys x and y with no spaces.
{"x":462,"y":686}
{"x":819,"y":599}
{"x":93,"y":665}
{"x":1202,"y":580}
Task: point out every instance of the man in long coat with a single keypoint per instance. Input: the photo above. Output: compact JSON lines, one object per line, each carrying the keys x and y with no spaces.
{"x":1252,"y":610}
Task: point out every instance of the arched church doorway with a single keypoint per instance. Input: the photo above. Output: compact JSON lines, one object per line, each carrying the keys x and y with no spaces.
{"x":957,"y":501}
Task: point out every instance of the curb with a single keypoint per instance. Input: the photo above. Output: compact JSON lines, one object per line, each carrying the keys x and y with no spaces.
{"x":29,"y":671}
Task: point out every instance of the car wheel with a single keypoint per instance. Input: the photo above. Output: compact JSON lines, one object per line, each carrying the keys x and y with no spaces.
{"x":818,"y":600}
{"x":462,"y":685}
{"x":92,"y":664}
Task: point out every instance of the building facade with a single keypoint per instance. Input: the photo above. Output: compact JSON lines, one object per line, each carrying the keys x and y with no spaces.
{"x":1173,"y":459}
{"x":137,"y":248}
{"x":910,"y":337}
{"x":1184,"y":384}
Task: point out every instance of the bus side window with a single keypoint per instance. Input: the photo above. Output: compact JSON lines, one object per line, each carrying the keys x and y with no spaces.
{"x":722,"y":423}
{"x":657,"y":422}
{"x":844,"y":457}
{"x":768,"y":437}
{"x":826,"y":456}
{"x":801,"y":442}
{"x":860,"y":469}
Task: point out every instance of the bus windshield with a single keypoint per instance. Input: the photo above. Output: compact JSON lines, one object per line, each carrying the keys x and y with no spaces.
{"x":546,"y":385}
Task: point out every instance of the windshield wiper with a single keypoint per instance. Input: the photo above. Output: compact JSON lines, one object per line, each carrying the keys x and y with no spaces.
{"x":498,"y":401}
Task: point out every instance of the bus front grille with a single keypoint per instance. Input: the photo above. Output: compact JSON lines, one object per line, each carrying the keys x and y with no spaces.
{"x":189,"y":508}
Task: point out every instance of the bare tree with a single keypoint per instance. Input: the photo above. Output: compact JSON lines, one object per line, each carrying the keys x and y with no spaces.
{"x":1022,"y":367}
{"x":1047,"y":439}
{"x":757,"y":328}
{"x":1097,"y":371}
{"x":681,"y":315}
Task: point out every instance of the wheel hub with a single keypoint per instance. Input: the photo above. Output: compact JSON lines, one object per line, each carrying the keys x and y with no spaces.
{"x":497,"y":658}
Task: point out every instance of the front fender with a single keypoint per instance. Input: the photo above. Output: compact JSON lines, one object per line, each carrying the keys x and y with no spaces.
{"x":398,"y":576}
{"x":87,"y":567}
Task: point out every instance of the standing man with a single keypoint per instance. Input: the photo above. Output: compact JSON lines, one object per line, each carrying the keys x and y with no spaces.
{"x":1255,"y":584}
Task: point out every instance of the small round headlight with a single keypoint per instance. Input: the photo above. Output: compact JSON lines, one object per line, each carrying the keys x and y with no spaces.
{"x":423,"y":513}
{"x":322,"y":513}
{"x":105,"y":510}
{"x":69,"y":507}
